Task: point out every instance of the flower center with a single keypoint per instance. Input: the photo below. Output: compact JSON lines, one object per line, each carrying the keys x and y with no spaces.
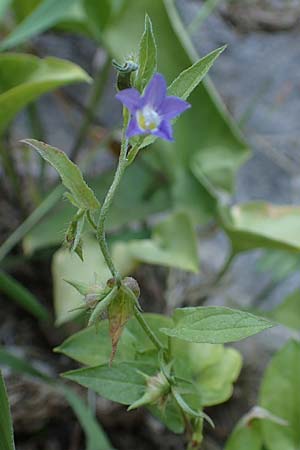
{"x":148,"y":119}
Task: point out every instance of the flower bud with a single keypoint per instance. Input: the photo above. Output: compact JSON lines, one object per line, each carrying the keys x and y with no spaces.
{"x":156,"y":392}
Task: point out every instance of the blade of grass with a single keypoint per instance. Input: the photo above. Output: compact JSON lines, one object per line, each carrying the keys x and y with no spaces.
{"x":14,"y":290}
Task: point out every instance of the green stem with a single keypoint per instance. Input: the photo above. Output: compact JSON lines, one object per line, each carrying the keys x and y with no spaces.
{"x":96,"y":94}
{"x":225,"y":267}
{"x":104,"y":211}
{"x":140,"y":318}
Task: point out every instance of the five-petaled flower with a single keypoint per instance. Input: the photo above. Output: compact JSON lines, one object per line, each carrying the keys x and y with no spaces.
{"x":152,"y":112}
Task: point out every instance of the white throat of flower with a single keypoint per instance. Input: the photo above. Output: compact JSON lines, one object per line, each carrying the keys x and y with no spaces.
{"x":148,"y":119}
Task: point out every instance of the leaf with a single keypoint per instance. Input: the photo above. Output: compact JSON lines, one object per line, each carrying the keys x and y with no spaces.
{"x":96,"y":438}
{"x":215,"y":325}
{"x":94,"y":348}
{"x":213,"y":368}
{"x":70,"y":174}
{"x":14,"y":290}
{"x":280,"y":394}
{"x":44,"y":16}
{"x":288,"y":312}
{"x":122,"y":383}
{"x":189,"y":78}
{"x":262,"y":225}
{"x":24,"y":78}
{"x":6,"y":429}
{"x":119,"y":311}
{"x":20,"y":365}
{"x":147,"y":59}
{"x":173,"y":244}
{"x":98,"y":15}
{"x":245,"y":438}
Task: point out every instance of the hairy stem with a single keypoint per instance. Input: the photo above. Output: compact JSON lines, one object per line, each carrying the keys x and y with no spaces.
{"x":140,"y":318}
{"x":105,"y":208}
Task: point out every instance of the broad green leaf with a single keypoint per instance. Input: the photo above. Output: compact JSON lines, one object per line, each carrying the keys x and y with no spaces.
{"x":96,"y":438}
{"x":205,"y":126}
{"x":288,"y":312}
{"x":215,"y":325}
{"x":215,"y":383}
{"x":122,"y":383}
{"x":6,"y":429}
{"x":173,"y":244}
{"x":189,"y":78}
{"x":24,"y":78}
{"x":171,"y":416}
{"x":258,"y":224}
{"x":67,"y":266}
{"x":92,"y":346}
{"x":70,"y":174}
{"x":44,"y":16}
{"x":280,"y":394}
{"x":15,"y":291}
{"x":147,"y":56}
{"x":247,"y":437}
{"x":213,"y":368}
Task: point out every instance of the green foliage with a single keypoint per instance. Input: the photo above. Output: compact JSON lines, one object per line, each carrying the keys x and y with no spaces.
{"x":95,"y":436}
{"x":204,"y":128}
{"x":24,"y":78}
{"x":14,"y":290}
{"x":3,"y":7}
{"x":259,"y":224}
{"x":173,"y":244}
{"x":6,"y":429}
{"x":70,"y":174}
{"x":246,"y":437}
{"x":44,"y":16}
{"x":288,"y":312}
{"x":280,"y":394}
{"x":215,"y":325}
{"x":122,"y":383}
{"x":147,"y":59}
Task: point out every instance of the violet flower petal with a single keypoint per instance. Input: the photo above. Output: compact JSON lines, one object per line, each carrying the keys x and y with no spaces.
{"x":155,"y":92}
{"x":133,"y":129}
{"x":172,"y":107}
{"x":130,"y":98}
{"x":164,"y":131}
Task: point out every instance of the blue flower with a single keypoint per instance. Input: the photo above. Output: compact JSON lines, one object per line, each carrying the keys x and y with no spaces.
{"x":152,"y":112}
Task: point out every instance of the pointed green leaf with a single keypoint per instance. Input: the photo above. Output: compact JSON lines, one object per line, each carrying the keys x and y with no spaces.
{"x":147,"y":59}
{"x":122,"y":383}
{"x":70,"y":174}
{"x":280,"y":394}
{"x":25,"y":78}
{"x":215,"y":325}
{"x":6,"y":429}
{"x":189,"y":79}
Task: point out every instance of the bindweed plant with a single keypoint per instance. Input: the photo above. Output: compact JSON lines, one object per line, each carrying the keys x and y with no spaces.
{"x":133,"y":358}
